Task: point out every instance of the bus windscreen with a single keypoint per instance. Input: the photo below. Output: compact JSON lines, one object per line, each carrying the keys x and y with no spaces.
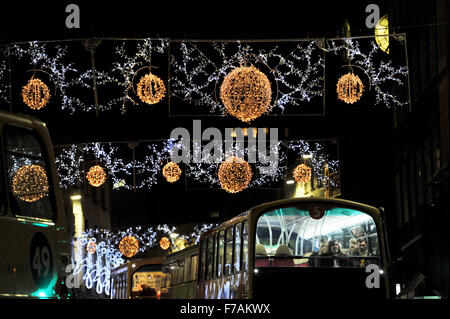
{"x":316,"y":236}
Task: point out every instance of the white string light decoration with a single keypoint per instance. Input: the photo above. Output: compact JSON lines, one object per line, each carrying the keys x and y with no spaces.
{"x":383,"y":75}
{"x":195,"y":76}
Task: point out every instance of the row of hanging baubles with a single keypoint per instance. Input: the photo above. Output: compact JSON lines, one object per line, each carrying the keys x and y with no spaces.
{"x":245,"y":92}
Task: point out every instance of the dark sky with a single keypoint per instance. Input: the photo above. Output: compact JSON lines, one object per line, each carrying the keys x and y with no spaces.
{"x":363,"y":133}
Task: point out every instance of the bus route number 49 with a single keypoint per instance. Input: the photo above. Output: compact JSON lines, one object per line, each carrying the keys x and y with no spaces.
{"x":41,"y":260}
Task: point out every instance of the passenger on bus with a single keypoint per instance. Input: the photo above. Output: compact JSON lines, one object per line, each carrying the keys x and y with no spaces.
{"x":338,"y":258}
{"x":361,"y":249}
{"x":313,"y":260}
{"x":351,"y":245}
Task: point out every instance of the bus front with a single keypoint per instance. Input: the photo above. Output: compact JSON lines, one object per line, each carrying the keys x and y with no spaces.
{"x":319,"y":248}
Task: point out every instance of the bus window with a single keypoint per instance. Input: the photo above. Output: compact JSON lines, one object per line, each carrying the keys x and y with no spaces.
{"x":237,"y":248}
{"x":2,"y":190}
{"x":244,"y":246}
{"x":318,"y":236}
{"x":228,"y":251}
{"x":194,"y":262}
{"x":203,"y":262}
{"x":220,"y":253}
{"x":187,"y":269}
{"x":180,"y":272}
{"x":210,"y":257}
{"x":28,"y":173}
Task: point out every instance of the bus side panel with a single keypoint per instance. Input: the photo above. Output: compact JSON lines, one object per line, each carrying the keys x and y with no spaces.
{"x":32,"y":259}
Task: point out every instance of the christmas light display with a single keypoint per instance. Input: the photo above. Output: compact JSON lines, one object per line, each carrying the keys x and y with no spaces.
{"x":91,"y":247}
{"x":382,"y":75}
{"x":302,"y":174}
{"x":4,"y":85}
{"x":96,"y":176}
{"x":295,"y":69}
{"x":246,"y":93}
{"x":349,"y":88}
{"x":195,"y":73}
{"x":30,"y":183}
{"x":234,"y":175}
{"x":148,"y":167}
{"x":164,"y":243}
{"x":63,"y":75}
{"x":129,"y":246}
{"x":171,"y":172}
{"x":95,"y":268}
{"x":35,"y":94}
{"x":151,"y":89}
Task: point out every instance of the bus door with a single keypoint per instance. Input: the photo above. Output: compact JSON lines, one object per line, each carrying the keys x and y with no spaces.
{"x":27,"y":229}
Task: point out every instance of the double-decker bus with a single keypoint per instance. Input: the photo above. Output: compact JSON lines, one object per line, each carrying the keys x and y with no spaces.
{"x":180,"y":274}
{"x":296,"y":248}
{"x":34,"y":240}
{"x":137,"y":279}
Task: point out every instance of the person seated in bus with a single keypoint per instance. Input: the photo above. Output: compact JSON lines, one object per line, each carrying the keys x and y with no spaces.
{"x":314,"y":258}
{"x":283,"y":257}
{"x":361,"y":250}
{"x":334,"y":257}
{"x":352,"y":243}
{"x":261,"y":259}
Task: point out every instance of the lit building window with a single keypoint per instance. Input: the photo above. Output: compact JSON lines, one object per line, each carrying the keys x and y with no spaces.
{"x":382,"y":34}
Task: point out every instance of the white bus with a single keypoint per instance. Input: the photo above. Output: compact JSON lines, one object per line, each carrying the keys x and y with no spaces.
{"x":34,"y":240}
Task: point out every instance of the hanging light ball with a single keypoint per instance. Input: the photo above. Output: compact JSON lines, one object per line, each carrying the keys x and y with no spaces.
{"x":129,"y":246}
{"x":246,"y":93}
{"x":91,"y":247}
{"x":30,"y":183}
{"x":96,"y":176}
{"x":171,"y":172}
{"x":302,"y":174}
{"x":164,"y":243}
{"x":151,"y":89}
{"x":35,"y":94}
{"x":235,"y":175}
{"x":349,"y":88}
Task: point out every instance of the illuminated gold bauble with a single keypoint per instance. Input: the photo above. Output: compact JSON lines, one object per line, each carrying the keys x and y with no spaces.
{"x":129,"y":246}
{"x":30,"y":183}
{"x":171,"y":172}
{"x":35,"y":94}
{"x":302,"y":174}
{"x":151,"y":89}
{"x":246,"y":93}
{"x":91,"y":247}
{"x":96,"y":176}
{"x":349,"y":88}
{"x":235,"y":175}
{"x":164,"y":243}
